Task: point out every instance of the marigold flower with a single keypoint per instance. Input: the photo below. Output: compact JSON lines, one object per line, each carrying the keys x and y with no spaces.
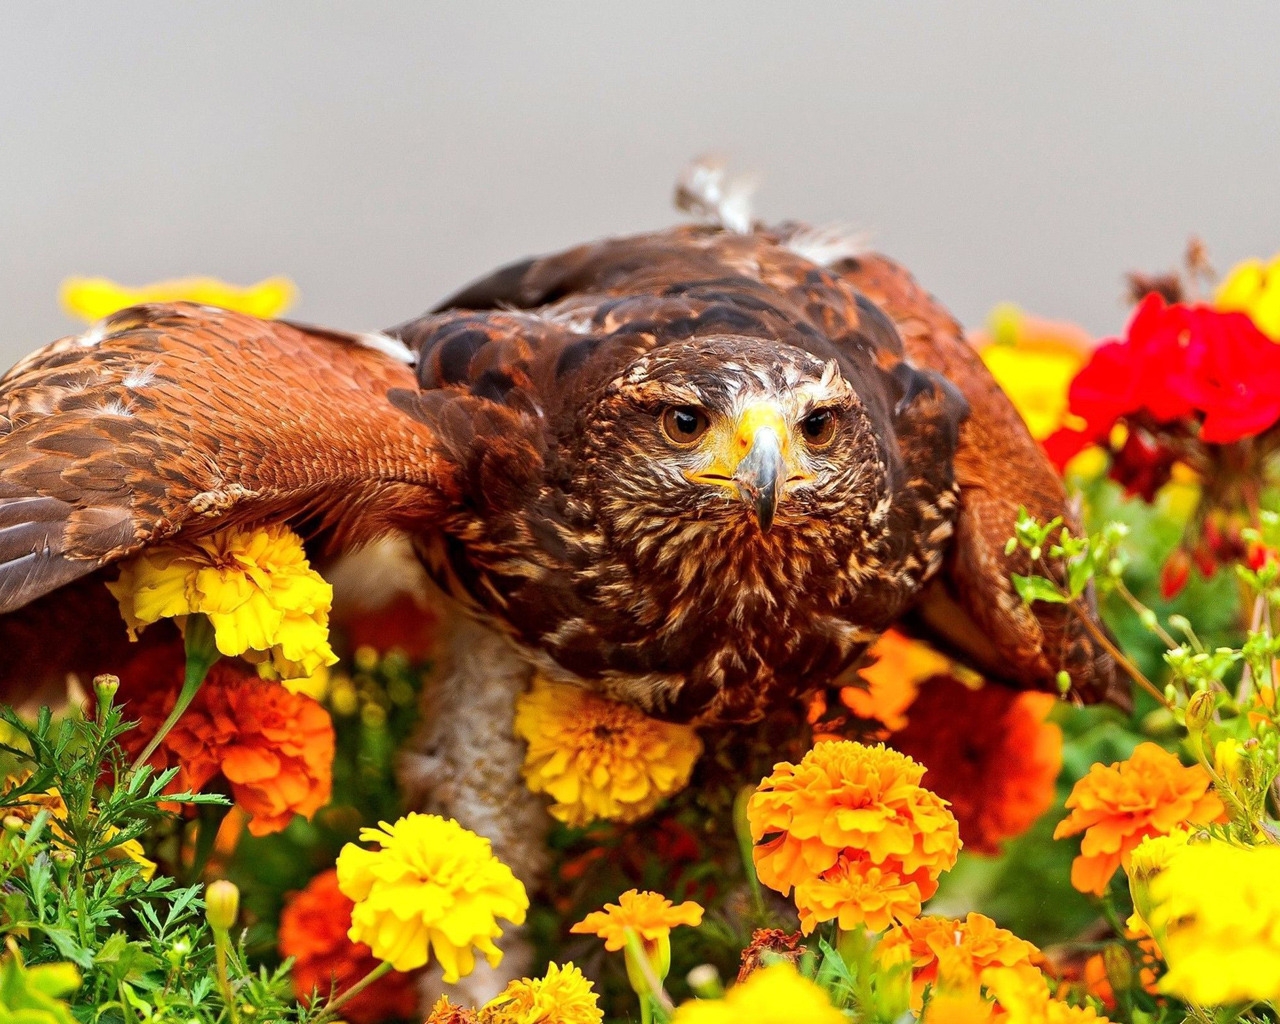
{"x":650,"y":914}
{"x":1117,"y":806}
{"x":597,"y":758}
{"x":1033,"y":361}
{"x":274,"y":748}
{"x":1253,"y":287}
{"x":1025,"y":1001}
{"x":893,"y":679}
{"x":1216,"y":915}
{"x":257,"y":588}
{"x":851,"y":830}
{"x":980,"y":945}
{"x":445,"y":1011}
{"x":92,"y":298}
{"x":313,"y":930}
{"x":991,"y":755}
{"x":433,"y":886}
{"x":775,"y":995}
{"x":1147,"y":860}
{"x":562,"y":996}
{"x":51,"y":800}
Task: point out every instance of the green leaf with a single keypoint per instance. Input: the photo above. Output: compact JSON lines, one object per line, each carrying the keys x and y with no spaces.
{"x":1037,"y":588}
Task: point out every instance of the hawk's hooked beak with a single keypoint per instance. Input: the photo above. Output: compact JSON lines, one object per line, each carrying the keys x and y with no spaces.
{"x":753,"y":458}
{"x":761,"y":474}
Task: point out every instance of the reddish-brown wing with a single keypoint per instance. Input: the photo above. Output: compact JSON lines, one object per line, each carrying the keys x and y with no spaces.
{"x":999,"y":468}
{"x":178,"y":417}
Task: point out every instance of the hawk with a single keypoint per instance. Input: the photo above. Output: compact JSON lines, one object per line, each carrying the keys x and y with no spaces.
{"x":698,"y":470}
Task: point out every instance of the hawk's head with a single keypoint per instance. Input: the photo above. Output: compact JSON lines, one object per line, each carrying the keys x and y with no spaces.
{"x":733,"y":436}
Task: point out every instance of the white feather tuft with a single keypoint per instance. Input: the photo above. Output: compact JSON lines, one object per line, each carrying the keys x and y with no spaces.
{"x":828,"y":244}
{"x":704,"y":189}
{"x":388,"y":346}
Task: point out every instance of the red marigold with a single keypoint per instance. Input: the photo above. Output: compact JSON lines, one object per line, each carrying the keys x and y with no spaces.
{"x":274,"y":748}
{"x":991,"y":755}
{"x":1117,"y":806}
{"x":313,"y":930}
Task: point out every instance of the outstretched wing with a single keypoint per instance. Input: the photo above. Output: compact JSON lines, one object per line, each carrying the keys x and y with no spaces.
{"x":867,"y":302}
{"x":179,"y":418}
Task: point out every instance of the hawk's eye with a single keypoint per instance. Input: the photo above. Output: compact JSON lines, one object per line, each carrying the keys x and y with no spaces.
{"x":684,"y":424}
{"x":819,"y":427}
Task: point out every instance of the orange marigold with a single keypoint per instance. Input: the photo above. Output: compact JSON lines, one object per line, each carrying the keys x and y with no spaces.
{"x":1027,"y":1001}
{"x":977,"y":942}
{"x":313,"y":930}
{"x":1117,"y":806}
{"x":853,"y":832}
{"x":991,"y":755}
{"x":893,"y":678}
{"x":274,"y":748}
{"x":650,"y":914}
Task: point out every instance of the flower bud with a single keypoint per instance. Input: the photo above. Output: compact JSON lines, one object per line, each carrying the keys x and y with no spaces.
{"x":1064,"y":683}
{"x":62,"y":861}
{"x":704,"y":981}
{"x":104,"y":689}
{"x":13,"y":824}
{"x":1119,"y":965}
{"x":221,"y":905}
{"x":1200,"y":710}
{"x":1226,"y":761}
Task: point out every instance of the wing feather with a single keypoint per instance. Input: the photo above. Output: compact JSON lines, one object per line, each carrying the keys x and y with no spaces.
{"x":183,"y":418}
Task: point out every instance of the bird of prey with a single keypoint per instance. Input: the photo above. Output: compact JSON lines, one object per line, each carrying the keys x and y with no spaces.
{"x":698,"y":470}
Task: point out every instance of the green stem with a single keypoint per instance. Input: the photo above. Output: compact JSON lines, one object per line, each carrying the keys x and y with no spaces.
{"x":336,"y":1003}
{"x":201,"y":654}
{"x":1135,"y":673}
{"x":855,"y":951}
{"x":209,"y":818}
{"x":746,"y":850}
{"x":220,"y":939}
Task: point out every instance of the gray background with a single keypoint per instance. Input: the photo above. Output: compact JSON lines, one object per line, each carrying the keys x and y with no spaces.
{"x":384,"y":153}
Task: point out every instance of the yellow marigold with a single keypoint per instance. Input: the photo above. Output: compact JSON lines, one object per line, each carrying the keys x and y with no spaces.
{"x":432,"y":886}
{"x":597,"y":758}
{"x":977,"y":943}
{"x":853,"y":832}
{"x":255,"y":585}
{"x":92,"y":298}
{"x":965,"y":1007}
{"x":1034,"y":361}
{"x":1027,"y":1001}
{"x":562,"y":996}
{"x":1253,"y":287}
{"x":1148,"y":859}
{"x":1119,"y":805}
{"x":1216,"y":914}
{"x":51,"y":800}
{"x":774,"y":995}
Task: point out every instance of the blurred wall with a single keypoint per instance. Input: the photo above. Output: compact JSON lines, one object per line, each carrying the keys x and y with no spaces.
{"x":384,"y":153}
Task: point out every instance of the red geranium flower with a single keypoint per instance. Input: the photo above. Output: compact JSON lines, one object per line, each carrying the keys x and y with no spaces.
{"x":1177,"y":364}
